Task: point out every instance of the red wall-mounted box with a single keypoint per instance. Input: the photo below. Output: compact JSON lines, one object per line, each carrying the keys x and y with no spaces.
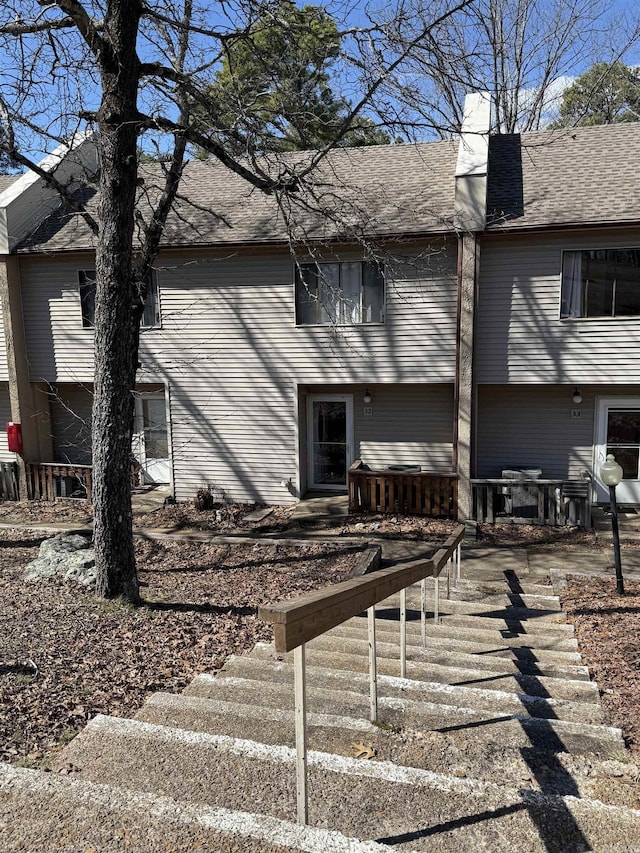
{"x":14,"y":437}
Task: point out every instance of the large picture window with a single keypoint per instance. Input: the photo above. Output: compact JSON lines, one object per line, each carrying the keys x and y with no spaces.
{"x":339,"y":293}
{"x":87,"y":280}
{"x":601,"y":283}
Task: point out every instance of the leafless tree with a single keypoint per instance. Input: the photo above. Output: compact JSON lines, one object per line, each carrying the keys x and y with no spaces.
{"x":131,"y":70}
{"x":523,"y":52}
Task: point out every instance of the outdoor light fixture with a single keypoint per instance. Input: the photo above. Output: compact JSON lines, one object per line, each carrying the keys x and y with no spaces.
{"x":577,"y":395}
{"x":611,"y":474}
{"x":367,"y":397}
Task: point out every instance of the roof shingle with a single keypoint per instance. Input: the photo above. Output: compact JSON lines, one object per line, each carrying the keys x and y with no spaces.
{"x":582,"y":176}
{"x":382,"y":190}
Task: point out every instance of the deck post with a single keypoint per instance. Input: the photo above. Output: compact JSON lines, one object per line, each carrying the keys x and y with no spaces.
{"x":423,"y":611}
{"x":302,"y":802}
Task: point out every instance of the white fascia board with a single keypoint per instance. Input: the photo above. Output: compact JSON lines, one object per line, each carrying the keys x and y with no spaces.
{"x":4,"y":231}
{"x":30,"y":193}
{"x":473,"y":149}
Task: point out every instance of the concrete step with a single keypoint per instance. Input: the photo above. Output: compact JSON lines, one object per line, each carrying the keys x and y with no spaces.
{"x":550,"y":631}
{"x":499,"y":592}
{"x":497,"y":598}
{"x":506,"y":582}
{"x":538,"y":761}
{"x":514,"y":592}
{"x":438,"y":638}
{"x":411,"y":809}
{"x":387,"y":645}
{"x":545,"y":620}
{"x":494,"y":703}
{"x":467,"y":629}
{"x":50,"y":812}
{"x":329,"y":656}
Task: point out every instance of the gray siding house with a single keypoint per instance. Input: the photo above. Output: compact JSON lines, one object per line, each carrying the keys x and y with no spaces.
{"x":558,"y":310}
{"x":441,"y":304}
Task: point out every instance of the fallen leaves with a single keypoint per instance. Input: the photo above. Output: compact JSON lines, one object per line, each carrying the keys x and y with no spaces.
{"x":67,"y":656}
{"x":607,"y":629}
{"x":363,"y":750}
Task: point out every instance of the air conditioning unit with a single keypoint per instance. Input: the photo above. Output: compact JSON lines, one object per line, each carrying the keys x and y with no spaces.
{"x":519,"y":501}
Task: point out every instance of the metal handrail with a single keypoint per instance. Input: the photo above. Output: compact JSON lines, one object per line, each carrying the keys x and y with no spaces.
{"x":299,"y":620}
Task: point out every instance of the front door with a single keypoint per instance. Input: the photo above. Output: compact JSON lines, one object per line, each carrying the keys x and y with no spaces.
{"x":151,"y":439}
{"x":330,"y":439}
{"x":618,"y":432}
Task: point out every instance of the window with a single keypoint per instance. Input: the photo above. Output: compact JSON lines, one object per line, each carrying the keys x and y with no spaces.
{"x":601,"y":283}
{"x":343,"y":293}
{"x":88,"y":297}
{"x":87,"y":279}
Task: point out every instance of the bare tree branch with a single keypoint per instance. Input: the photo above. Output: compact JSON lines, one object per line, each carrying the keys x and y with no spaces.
{"x":23,"y":28}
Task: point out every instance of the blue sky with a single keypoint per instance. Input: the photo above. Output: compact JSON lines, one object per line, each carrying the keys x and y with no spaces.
{"x":58,"y":92}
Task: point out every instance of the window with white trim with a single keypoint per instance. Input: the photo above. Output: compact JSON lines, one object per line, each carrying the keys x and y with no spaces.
{"x":349,"y":292}
{"x":600,"y":283}
{"x":87,"y":281}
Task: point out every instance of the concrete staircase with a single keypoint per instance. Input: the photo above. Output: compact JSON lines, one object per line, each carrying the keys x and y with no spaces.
{"x":496,"y":742}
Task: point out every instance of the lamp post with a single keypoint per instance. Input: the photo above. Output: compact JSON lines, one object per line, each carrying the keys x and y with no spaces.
{"x":611,"y":474}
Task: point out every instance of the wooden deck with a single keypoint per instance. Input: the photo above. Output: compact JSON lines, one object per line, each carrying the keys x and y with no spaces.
{"x":411,"y":493}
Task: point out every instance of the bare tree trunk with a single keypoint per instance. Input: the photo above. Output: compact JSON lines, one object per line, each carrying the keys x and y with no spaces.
{"x":116,"y":322}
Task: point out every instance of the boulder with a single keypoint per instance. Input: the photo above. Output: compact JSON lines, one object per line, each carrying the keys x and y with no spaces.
{"x":67,"y":555}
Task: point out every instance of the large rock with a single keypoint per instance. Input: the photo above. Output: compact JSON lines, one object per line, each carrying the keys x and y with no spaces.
{"x":67,"y":555}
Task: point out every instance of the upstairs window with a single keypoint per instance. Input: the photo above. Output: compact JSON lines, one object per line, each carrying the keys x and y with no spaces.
{"x":601,"y":283}
{"x":339,"y":293}
{"x":87,"y":280}
{"x":88,"y":297}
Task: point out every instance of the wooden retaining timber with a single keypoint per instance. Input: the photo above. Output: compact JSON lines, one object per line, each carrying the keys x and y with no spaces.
{"x":408,"y":492}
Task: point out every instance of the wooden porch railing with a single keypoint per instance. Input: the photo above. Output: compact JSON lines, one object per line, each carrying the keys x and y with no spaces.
{"x":9,"y":481}
{"x":299,"y":620}
{"x":411,"y":493}
{"x":49,"y":481}
{"x":548,"y":502}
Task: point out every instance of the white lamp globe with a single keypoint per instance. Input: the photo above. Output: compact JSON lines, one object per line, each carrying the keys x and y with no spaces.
{"x":610,"y":471}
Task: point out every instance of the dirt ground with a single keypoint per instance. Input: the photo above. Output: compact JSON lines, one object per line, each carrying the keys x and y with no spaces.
{"x":607,"y":629}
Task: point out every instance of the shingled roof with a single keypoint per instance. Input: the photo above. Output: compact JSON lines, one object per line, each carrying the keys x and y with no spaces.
{"x":381,"y":190}
{"x":583,"y":176}
{"x":6,"y":181}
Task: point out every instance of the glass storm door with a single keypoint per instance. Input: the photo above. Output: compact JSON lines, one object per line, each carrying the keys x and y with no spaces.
{"x":151,"y":442}
{"x":619,"y":433}
{"x":330,"y":424}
